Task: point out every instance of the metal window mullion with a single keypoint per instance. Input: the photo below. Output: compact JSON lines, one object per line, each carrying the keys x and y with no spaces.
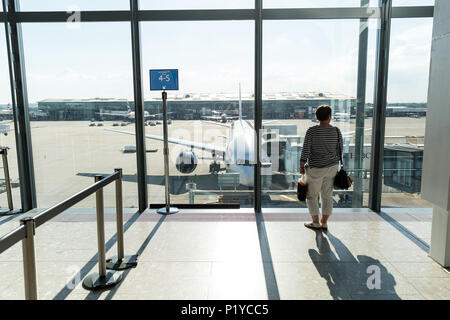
{"x":196,"y":15}
{"x":222,"y":14}
{"x":139,"y":108}
{"x":379,"y":111}
{"x":19,"y":99}
{"x":321,"y":13}
{"x":258,"y":104}
{"x":357,"y":199}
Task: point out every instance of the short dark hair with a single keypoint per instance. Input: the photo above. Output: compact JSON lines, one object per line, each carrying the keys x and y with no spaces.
{"x":323,"y":112}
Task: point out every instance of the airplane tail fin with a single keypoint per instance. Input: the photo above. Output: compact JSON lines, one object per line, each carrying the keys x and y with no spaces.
{"x":240,"y":102}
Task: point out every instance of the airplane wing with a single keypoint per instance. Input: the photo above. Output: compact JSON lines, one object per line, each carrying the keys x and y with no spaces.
{"x":219,"y":150}
{"x":350,"y":133}
{"x":219,"y":124}
{"x":216,"y":118}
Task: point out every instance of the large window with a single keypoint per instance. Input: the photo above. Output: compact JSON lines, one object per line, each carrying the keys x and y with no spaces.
{"x":396,"y":3}
{"x":306,"y":64}
{"x":70,"y":5}
{"x":215,"y":62}
{"x":195,"y":4}
{"x":409,"y":62}
{"x":80,"y":90}
{"x":7,"y":133}
{"x":316,"y":3}
{"x":80,"y":80}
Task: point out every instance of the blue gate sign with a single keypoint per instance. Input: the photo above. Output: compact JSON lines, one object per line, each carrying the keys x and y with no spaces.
{"x":164,"y":79}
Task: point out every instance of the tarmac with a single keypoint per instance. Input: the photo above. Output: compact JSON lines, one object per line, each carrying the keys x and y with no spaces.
{"x":68,"y":154}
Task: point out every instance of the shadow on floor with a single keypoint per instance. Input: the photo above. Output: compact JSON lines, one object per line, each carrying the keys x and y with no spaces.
{"x":87,"y":268}
{"x":266,"y":255}
{"x":9,"y":218}
{"x":95,"y":295}
{"x":349,"y":277}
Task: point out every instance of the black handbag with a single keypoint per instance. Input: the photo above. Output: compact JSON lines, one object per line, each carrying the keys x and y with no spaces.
{"x":342,"y":181}
{"x":302,"y":189}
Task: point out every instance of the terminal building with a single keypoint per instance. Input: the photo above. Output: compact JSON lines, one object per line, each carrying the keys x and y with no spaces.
{"x":198,"y":199}
{"x":194,"y":106}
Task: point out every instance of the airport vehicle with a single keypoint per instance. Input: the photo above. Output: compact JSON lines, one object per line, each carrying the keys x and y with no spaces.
{"x":7,"y":112}
{"x":92,"y":124}
{"x":4,"y":127}
{"x":129,"y":115}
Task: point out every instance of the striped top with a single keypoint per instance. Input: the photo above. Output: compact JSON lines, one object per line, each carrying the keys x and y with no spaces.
{"x":320,"y":148}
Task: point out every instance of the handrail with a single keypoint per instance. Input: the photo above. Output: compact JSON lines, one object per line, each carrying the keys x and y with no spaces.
{"x":12,"y":238}
{"x":52,"y":212}
{"x":28,"y":225}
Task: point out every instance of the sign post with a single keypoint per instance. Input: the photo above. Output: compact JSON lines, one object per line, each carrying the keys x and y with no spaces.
{"x":166,"y":79}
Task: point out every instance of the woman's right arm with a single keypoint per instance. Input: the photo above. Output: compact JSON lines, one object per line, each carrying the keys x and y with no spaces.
{"x":341,"y":145}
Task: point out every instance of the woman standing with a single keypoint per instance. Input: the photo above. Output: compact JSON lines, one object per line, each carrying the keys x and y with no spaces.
{"x":320,"y":160}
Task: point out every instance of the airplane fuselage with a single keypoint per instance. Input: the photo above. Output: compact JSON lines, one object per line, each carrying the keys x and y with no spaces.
{"x":240,"y":153}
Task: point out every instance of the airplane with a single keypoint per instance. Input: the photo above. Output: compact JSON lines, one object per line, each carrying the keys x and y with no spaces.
{"x":220,"y":117}
{"x":341,"y":116}
{"x":238,"y":155}
{"x":129,"y":115}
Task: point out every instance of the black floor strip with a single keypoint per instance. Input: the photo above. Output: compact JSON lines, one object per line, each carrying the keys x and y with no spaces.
{"x":406,"y":232}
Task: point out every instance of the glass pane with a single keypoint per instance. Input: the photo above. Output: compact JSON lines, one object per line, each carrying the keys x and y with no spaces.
{"x":410,"y":3}
{"x":7,"y":130}
{"x":316,"y":3}
{"x":197,"y":4}
{"x":306,"y":64}
{"x":213,"y":58}
{"x":81,"y":81}
{"x":406,"y":112}
{"x":70,"y":5}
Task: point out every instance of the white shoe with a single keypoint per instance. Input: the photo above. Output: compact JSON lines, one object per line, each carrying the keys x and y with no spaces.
{"x":324,"y":226}
{"x":313,"y":225}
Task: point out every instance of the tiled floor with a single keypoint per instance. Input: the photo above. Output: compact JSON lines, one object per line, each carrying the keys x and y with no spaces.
{"x":235,"y":255}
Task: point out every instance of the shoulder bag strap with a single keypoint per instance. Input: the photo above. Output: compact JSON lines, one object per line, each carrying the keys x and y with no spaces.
{"x":339,"y":147}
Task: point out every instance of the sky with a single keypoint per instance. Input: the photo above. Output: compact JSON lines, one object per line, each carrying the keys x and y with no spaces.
{"x":94,"y":59}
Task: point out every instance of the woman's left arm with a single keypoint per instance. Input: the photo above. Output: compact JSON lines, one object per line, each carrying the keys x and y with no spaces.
{"x":306,"y":150}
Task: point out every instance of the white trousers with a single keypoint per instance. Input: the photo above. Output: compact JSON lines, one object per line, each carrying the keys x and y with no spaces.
{"x":320,"y":180}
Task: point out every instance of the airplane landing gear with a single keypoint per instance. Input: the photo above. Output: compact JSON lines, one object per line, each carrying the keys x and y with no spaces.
{"x":214,"y":167}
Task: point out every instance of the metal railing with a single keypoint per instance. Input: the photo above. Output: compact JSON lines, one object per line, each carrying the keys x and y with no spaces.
{"x":102,"y":279}
{"x":10,"y":210}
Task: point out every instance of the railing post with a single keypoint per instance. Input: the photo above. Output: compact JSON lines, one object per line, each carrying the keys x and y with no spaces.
{"x":100,"y":229}
{"x":120,"y":262}
{"x":10,"y":210}
{"x":119,"y":214}
{"x":103,"y":279}
{"x":29,"y":260}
